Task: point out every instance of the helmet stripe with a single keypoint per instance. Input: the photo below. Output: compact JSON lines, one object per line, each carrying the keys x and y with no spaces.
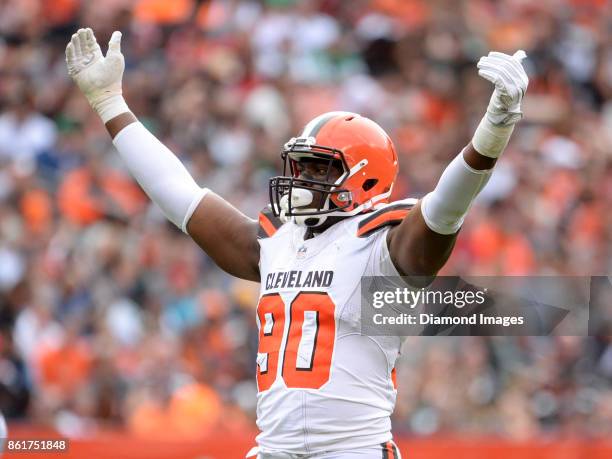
{"x":315,"y":125}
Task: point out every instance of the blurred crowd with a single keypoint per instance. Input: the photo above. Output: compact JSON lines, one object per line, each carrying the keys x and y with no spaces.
{"x":109,"y":316}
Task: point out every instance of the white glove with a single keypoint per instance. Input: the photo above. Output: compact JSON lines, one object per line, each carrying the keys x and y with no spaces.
{"x":99,"y":77}
{"x":504,"y":110}
{"x":510,"y":80}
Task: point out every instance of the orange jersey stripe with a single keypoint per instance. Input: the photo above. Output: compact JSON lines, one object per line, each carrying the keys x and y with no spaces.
{"x":382,"y":220}
{"x":267,"y":225}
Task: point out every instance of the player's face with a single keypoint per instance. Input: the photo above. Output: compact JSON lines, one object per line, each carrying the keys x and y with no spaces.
{"x":318,"y":170}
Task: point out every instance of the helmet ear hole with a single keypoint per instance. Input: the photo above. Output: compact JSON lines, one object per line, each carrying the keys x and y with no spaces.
{"x":369,"y":184}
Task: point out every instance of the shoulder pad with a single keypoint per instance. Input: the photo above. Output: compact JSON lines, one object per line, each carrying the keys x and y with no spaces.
{"x":390,"y":215}
{"x":268,"y":223}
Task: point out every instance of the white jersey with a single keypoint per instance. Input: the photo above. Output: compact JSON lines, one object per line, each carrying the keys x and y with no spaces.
{"x":322,"y":385}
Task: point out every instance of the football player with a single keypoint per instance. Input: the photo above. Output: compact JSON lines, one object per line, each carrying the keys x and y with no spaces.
{"x":324,"y":390}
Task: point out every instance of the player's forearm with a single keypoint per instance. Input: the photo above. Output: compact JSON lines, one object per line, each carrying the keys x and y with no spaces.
{"x":116,"y":124}
{"x":477,"y":161}
{"x":158,"y":171}
{"x":445,"y":208}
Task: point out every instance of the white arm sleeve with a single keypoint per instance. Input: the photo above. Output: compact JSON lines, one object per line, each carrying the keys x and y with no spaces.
{"x":3,"y":432}
{"x":445,"y":208}
{"x":160,"y":173}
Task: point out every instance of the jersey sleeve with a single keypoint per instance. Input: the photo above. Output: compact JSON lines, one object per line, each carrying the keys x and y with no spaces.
{"x":376,"y":226}
{"x":380,"y":263}
{"x":390,"y":215}
{"x":268,"y":223}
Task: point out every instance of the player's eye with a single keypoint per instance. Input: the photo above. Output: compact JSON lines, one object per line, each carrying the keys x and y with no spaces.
{"x":321,"y":170}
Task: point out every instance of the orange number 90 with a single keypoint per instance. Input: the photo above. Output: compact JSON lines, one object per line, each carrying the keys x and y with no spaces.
{"x":309,"y":343}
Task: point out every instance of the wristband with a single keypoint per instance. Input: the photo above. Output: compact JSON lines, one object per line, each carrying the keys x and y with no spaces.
{"x":491,"y":139}
{"x":110,"y":107}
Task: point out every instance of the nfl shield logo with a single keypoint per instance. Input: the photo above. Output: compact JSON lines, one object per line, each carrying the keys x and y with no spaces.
{"x":301,"y":253}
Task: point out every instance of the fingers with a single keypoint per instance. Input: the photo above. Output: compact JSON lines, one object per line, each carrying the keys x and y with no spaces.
{"x":505,"y":59}
{"x":491,"y":70}
{"x":520,"y":55}
{"x":493,"y":78}
{"x":87,"y":38}
{"x":114,"y":45}
{"x":82,"y":41}
{"x":71,"y":59}
{"x":90,"y":40}
{"x":517,"y":56}
{"x":79,"y":43}
{"x":501,"y":78}
{"x":510,"y":61}
{"x":515,"y":61}
{"x":69,"y":52}
{"x":75,"y":44}
{"x":511,"y":67}
{"x":91,"y":44}
{"x":505,"y":71}
{"x":82,"y":51}
{"x":488,"y":75}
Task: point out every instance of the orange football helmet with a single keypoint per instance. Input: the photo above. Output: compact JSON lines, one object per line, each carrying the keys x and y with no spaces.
{"x":363,"y":151}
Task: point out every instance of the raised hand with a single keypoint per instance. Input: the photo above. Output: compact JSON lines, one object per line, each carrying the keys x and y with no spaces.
{"x":508,"y":75}
{"x":98,"y":77}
